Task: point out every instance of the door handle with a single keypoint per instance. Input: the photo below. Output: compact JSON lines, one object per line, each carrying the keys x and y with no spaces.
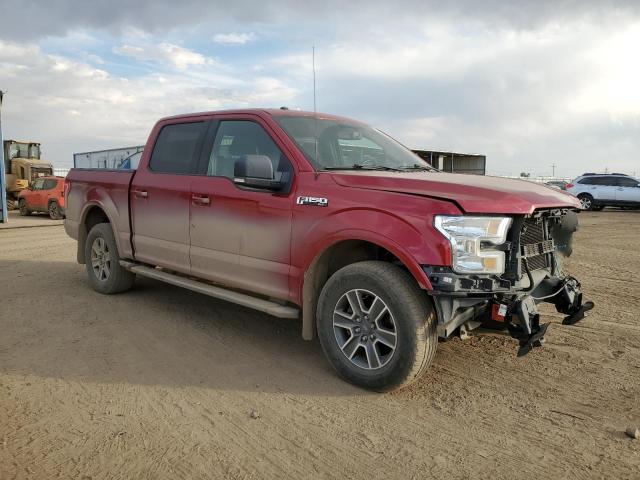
{"x":200,"y":200}
{"x":140,"y":193}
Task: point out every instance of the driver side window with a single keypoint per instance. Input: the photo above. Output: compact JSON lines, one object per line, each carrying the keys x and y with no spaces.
{"x":37,"y":184}
{"x":236,"y":139}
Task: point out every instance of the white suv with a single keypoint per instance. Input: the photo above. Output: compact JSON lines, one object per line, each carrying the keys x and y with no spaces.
{"x":599,"y":190}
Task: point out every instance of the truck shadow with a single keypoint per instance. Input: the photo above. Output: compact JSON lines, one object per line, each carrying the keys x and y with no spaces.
{"x":54,"y":325}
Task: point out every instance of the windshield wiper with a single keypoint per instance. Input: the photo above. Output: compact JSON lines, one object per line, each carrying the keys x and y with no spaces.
{"x":418,"y":167}
{"x":357,"y":166}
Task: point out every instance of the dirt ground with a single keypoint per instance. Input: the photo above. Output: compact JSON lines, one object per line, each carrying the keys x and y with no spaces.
{"x":160,"y":383}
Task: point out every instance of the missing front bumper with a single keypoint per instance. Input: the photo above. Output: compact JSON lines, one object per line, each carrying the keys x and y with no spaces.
{"x":515,"y":312}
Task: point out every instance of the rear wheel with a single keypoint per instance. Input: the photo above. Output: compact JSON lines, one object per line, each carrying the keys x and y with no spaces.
{"x":586,"y":201}
{"x":106,"y":275}
{"x":376,"y":326}
{"x":54,"y":211}
{"x":24,"y":210}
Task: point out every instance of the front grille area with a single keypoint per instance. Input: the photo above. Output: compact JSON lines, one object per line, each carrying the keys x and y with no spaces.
{"x":534,"y":232}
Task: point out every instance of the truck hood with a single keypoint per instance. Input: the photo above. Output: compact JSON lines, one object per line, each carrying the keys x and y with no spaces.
{"x":472,"y":193}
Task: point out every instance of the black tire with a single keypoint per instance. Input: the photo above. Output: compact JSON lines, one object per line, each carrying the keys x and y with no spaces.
{"x":586,"y":201}
{"x":24,"y":210}
{"x":411,"y":315}
{"x":54,"y":211}
{"x":597,"y":208}
{"x":116,"y":279}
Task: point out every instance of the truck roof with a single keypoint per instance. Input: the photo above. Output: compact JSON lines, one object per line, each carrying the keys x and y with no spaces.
{"x":275,"y":112}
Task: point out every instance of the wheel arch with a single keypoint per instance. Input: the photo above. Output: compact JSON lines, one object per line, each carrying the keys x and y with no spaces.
{"x":343,"y":251}
{"x":92,"y":215}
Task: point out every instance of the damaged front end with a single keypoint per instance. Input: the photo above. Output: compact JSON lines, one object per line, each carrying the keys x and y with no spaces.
{"x":529,"y":256}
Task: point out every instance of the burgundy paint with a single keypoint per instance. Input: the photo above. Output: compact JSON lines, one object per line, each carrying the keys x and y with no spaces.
{"x":265,"y":242}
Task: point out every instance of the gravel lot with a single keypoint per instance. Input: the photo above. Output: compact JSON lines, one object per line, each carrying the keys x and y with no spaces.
{"x":161,"y":382}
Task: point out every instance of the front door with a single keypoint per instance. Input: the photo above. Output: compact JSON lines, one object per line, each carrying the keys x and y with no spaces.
{"x":240,"y":237}
{"x":628,"y":191}
{"x":36,"y":199}
{"x":160,"y":197}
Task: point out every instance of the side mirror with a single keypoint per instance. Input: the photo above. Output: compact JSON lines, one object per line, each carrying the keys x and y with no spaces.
{"x":256,"y":171}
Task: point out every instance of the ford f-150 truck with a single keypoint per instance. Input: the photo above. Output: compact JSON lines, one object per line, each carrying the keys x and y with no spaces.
{"x":323,"y":218}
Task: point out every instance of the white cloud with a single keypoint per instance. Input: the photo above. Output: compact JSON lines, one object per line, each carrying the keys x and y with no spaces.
{"x":234,"y":38}
{"x":71,"y":106}
{"x":530,"y":85}
{"x":165,"y":54}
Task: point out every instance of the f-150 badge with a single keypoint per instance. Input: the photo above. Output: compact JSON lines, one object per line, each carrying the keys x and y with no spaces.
{"x":317,"y":201}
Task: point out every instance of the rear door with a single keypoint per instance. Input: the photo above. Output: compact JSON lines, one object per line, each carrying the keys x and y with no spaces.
{"x":603,"y":189}
{"x":160,"y":196}
{"x":241,"y":237}
{"x":628,"y":190}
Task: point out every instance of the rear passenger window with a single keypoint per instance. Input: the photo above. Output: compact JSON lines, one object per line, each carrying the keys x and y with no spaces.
{"x":176,"y":148}
{"x":240,"y":138}
{"x":602,"y":181}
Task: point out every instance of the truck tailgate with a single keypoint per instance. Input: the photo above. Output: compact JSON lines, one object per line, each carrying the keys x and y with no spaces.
{"x":93,"y":194}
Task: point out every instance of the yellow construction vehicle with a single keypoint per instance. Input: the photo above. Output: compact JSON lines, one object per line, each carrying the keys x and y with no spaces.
{"x":22,"y":166}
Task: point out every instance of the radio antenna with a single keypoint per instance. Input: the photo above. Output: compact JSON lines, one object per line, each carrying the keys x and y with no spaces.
{"x":313,"y":67}
{"x":315,"y":112}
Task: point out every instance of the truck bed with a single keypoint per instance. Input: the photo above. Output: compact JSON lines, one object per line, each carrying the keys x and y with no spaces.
{"x":104,"y":188}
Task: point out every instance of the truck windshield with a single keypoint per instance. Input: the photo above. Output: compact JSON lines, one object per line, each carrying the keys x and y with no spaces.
{"x":340,"y":145}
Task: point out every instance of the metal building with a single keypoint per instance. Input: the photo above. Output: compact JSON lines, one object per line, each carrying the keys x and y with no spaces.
{"x":455,"y":162}
{"x":112,"y":158}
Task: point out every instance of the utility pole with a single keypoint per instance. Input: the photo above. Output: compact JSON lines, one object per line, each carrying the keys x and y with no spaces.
{"x":554,"y":170}
{"x":4,"y":214}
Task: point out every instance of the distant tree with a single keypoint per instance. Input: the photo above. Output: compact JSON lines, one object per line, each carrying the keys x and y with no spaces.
{"x":525,"y":174}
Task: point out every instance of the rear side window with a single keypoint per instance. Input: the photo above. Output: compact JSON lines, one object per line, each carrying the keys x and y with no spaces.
{"x":176,"y":148}
{"x":606,"y":181}
{"x":597,"y":181}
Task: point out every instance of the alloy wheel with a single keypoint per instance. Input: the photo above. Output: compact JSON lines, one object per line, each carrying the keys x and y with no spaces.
{"x":101,"y":259}
{"x":585,"y":202}
{"x":365,"y":329}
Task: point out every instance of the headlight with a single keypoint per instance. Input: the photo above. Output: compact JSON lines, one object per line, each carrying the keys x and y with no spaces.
{"x":472,"y":239}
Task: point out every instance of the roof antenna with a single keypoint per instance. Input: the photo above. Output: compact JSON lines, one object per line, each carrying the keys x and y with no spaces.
{"x":315,"y":112}
{"x":313,"y":67}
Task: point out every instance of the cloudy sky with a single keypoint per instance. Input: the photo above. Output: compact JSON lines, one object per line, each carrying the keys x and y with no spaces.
{"x":528,"y":83}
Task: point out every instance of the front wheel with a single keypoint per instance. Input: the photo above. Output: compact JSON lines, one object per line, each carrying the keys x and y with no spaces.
{"x":106,"y":275}
{"x":586,"y":201}
{"x":376,"y":326}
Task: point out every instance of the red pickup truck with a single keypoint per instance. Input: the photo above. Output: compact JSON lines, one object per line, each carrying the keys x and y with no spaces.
{"x":321,"y":217}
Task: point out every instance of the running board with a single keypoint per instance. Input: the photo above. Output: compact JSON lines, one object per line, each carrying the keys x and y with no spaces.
{"x":272,"y":308}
